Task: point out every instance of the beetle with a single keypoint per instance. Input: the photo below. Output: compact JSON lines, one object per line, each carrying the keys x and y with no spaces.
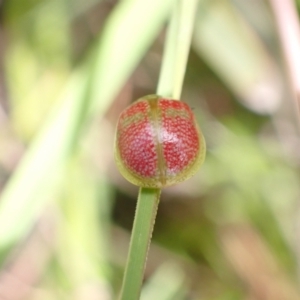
{"x":158,"y":142}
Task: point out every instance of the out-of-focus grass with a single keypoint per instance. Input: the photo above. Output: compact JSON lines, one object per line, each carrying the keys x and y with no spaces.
{"x":69,"y":67}
{"x":90,"y":91}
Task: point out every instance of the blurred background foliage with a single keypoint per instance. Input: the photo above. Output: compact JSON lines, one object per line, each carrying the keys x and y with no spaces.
{"x":68,"y":68}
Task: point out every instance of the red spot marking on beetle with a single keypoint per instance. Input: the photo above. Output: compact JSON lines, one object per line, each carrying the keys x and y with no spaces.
{"x":179,"y":136}
{"x":138,"y":107}
{"x":135,"y":141}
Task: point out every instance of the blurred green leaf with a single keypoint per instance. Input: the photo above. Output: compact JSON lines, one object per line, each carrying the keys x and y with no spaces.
{"x":234,"y":51}
{"x":165,"y":284}
{"x":117,"y":55}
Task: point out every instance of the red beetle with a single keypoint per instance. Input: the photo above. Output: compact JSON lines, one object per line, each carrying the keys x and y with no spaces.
{"x":158,"y":142}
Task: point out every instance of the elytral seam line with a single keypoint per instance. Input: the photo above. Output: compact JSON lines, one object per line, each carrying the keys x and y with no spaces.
{"x":161,"y":164}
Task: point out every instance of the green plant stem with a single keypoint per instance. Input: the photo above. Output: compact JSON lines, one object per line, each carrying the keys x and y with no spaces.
{"x":170,"y":85}
{"x":140,"y":239}
{"x":177,"y":48}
